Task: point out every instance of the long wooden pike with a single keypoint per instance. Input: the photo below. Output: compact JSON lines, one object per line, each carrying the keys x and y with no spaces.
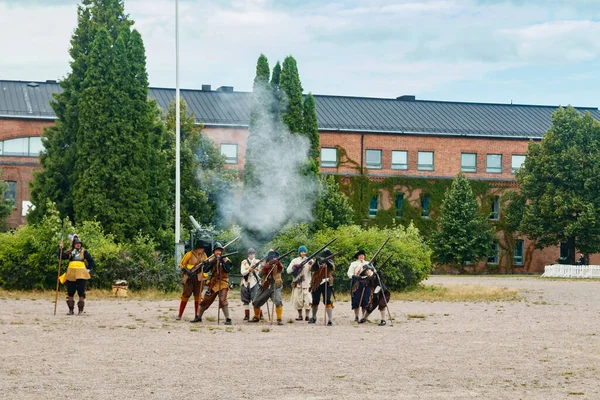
{"x":62,"y":238}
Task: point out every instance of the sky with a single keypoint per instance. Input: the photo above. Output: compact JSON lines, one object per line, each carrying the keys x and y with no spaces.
{"x":498,"y":51}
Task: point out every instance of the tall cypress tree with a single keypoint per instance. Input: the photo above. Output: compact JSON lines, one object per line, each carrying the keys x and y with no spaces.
{"x":292,"y":87}
{"x":464,"y":234}
{"x":276,"y":76}
{"x":310,"y":128}
{"x":257,"y":118}
{"x":54,"y":181}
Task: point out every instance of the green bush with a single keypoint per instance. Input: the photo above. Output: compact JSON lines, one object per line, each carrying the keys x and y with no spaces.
{"x":410,"y":260}
{"x":29,"y":257}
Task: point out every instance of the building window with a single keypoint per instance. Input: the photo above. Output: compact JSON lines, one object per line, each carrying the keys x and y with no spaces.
{"x":399,"y":200}
{"x":495,"y":211}
{"x":23,"y":147}
{"x":399,"y":159}
{"x":329,"y":157}
{"x":425,"y":161}
{"x":230,"y":153}
{"x":518,"y":257}
{"x":493,"y":256}
{"x":517,"y":162}
{"x":373,"y":206}
{"x":10,"y":194}
{"x":425,"y":200}
{"x":373,"y":159}
{"x":494,"y":164}
{"x":468,"y":162}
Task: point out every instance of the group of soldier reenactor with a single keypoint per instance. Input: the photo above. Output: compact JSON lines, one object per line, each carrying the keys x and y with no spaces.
{"x":312,"y":282}
{"x":207,"y":278}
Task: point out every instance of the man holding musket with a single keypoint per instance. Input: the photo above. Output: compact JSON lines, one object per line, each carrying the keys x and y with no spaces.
{"x":322,"y":285}
{"x":217,"y":284}
{"x":249,"y":284}
{"x":380,"y":294}
{"x":301,"y":297}
{"x":271,"y":286}
{"x":360,"y":292}
{"x":191,"y":283}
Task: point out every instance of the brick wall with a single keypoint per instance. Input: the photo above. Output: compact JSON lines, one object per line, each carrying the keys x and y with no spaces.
{"x":20,"y":169}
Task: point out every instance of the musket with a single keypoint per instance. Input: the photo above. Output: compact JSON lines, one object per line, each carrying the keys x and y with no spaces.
{"x":260,"y":261}
{"x":379,"y":251}
{"x":273,"y":262}
{"x":332,"y":256}
{"x":298,"y":267}
{"x":209,"y":260}
{"x":62,"y":238}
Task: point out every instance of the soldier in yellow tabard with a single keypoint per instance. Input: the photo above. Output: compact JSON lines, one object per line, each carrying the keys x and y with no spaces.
{"x":78,"y":272}
{"x":191,"y":283}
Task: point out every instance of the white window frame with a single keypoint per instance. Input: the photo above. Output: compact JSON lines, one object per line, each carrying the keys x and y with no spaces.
{"x":230,"y":160}
{"x":468,"y":168}
{"x":326,"y":160}
{"x":495,"y":215}
{"x":373,"y":166}
{"x":493,"y":170}
{"x":425,"y":167}
{"x":400,"y":165}
{"x":512,"y":163}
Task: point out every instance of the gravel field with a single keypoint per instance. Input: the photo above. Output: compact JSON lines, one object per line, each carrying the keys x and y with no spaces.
{"x":545,"y":346}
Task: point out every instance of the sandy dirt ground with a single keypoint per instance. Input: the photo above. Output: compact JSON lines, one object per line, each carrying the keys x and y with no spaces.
{"x":545,"y":346}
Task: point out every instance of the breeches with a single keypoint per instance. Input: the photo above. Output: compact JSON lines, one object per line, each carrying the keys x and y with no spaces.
{"x":264,"y":295}
{"x":208,"y":299}
{"x":316,"y":295}
{"x":360,"y":291}
{"x":248,"y":294}
{"x":378,"y":301}
{"x":301,"y":298}
{"x":192,"y":286}
{"x":77,"y":286}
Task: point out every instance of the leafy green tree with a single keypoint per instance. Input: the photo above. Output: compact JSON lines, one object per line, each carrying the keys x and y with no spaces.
{"x":258,"y":118}
{"x":292,"y":87}
{"x":510,"y":223}
{"x":276,"y":77}
{"x":464,"y":234}
{"x":6,"y":206}
{"x":310,"y":128}
{"x":333,"y":208}
{"x":54,"y":181}
{"x":204,"y":179}
{"x":559,"y":180}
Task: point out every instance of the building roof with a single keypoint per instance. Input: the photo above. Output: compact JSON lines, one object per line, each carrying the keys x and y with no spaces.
{"x":21,"y":99}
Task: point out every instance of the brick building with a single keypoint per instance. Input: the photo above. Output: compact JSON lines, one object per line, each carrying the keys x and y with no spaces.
{"x":369,"y":137}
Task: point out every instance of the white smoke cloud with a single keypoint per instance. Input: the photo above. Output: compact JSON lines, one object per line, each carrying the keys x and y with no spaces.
{"x":283,"y":195}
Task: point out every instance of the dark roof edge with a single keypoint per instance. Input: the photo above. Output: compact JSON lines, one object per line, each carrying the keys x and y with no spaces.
{"x":481,"y":135}
{"x":347,"y":97}
{"x":418,"y":176}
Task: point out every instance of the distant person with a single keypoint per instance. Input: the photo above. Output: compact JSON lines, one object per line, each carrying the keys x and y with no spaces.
{"x":78,"y":272}
{"x":360,"y":292}
{"x":249,"y":284}
{"x":581,"y":260}
{"x":301,"y":298}
{"x":322,"y":285}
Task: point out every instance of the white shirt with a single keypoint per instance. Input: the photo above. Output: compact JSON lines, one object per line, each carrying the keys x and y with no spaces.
{"x":245,"y":270}
{"x":304,"y":275}
{"x":356,"y":268}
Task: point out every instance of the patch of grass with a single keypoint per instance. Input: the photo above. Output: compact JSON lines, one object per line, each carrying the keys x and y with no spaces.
{"x":266,"y":330}
{"x":101,"y":326}
{"x":193,"y":329}
{"x":457,"y":293}
{"x":131,"y":327}
{"x":17,"y":323}
{"x":291,"y":321}
{"x":229,"y":330}
{"x":575,"y":394}
{"x":567,"y":373}
{"x":211,"y":319}
{"x":413,"y":316}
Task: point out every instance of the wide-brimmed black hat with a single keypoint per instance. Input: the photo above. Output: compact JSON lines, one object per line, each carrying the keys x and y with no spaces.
{"x":271,"y":255}
{"x":200,"y":244}
{"x":325,"y":253}
{"x":359,"y":252}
